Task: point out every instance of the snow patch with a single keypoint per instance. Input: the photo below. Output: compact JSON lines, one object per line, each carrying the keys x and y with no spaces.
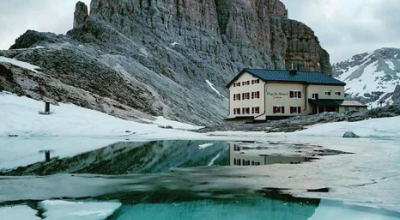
{"x":390,"y":64}
{"x":21,"y":212}
{"x":214,"y":159}
{"x":21,"y":64}
{"x":204,"y":146}
{"x":60,"y":210}
{"x":215,"y":90}
{"x":174,"y":44}
{"x":175,"y":124}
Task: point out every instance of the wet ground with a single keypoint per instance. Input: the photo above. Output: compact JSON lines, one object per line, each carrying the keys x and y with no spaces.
{"x":176,"y":180}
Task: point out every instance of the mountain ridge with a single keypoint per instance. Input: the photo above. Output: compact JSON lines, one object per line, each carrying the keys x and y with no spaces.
{"x":372,"y":77}
{"x":138,"y":59}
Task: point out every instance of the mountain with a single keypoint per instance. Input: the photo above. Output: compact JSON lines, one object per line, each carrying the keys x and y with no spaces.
{"x":373,"y":77}
{"x":138,"y":59}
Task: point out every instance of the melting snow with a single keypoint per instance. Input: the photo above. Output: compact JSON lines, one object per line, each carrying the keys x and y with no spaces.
{"x":21,"y":212}
{"x":19,"y":63}
{"x":60,"y":210}
{"x":213,"y":88}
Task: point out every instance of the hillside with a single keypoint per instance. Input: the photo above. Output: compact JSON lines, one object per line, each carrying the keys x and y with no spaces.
{"x":373,"y":77}
{"x":138,"y":59}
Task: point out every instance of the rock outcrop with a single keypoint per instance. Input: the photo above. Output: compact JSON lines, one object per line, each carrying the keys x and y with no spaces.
{"x":81,"y":14}
{"x":155,"y":56}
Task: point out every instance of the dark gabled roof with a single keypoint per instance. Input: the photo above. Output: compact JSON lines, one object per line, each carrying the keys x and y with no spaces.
{"x":325,"y":102}
{"x":287,"y":76}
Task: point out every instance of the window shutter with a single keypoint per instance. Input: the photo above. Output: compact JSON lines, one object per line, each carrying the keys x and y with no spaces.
{"x":283,"y":110}
{"x":252,"y":95}
{"x":291,"y":94}
{"x":299,"y":94}
{"x":299,"y":109}
{"x":243,"y":96}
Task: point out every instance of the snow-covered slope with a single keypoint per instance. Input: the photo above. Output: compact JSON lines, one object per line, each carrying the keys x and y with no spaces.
{"x":371,"y":77}
{"x":21,"y":116}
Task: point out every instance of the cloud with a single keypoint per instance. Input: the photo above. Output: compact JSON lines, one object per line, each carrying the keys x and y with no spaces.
{"x":346,"y":28}
{"x":17,"y":16}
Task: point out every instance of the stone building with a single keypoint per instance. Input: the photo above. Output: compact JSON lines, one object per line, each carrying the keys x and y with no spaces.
{"x":260,"y":94}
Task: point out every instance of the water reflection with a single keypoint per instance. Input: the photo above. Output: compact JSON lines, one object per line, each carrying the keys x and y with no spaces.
{"x":163,"y":156}
{"x":136,"y":157}
{"x":238,"y":157}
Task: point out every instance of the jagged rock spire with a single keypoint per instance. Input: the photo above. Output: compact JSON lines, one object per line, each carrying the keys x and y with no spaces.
{"x":81,"y":14}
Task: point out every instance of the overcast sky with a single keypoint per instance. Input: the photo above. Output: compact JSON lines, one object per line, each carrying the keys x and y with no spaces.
{"x":344,"y":27}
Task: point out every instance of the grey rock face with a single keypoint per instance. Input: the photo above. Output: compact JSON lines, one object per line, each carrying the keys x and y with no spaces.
{"x":350,"y":134}
{"x":371,"y":77}
{"x":396,"y":95}
{"x":155,"y":56}
{"x":81,"y":14}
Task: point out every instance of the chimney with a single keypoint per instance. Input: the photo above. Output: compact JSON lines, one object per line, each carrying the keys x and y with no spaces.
{"x":293,"y":71}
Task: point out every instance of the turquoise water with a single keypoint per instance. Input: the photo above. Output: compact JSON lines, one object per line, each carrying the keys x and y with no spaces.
{"x":249,"y":209}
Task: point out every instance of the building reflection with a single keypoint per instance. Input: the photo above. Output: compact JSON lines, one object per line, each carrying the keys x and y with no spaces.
{"x":239,"y":158}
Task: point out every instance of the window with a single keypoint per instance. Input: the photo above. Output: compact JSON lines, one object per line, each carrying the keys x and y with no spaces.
{"x":255,"y":110}
{"x":357,"y":108}
{"x":255,"y":95}
{"x":246,"y":111}
{"x":257,"y":81}
{"x":246,"y":96}
{"x":279,"y":110}
{"x":246,"y":83}
{"x":236,"y":97}
{"x":338,"y":93}
{"x":315,"y":96}
{"x":295,"y":110}
{"x":236,"y":111}
{"x":295,"y":94}
{"x":346,"y":108}
{"x":327,"y":93}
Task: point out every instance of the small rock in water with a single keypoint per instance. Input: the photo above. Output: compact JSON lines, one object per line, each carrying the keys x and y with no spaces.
{"x":161,"y":126}
{"x":350,"y":134}
{"x":168,"y":127}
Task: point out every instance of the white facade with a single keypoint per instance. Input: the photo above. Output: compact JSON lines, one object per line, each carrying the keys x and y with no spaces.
{"x":276,"y":99}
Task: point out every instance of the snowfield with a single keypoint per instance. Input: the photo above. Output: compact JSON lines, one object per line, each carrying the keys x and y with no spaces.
{"x":21,"y":116}
{"x":368,"y":177}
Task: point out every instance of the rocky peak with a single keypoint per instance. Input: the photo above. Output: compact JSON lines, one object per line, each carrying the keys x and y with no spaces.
{"x":142,"y":58}
{"x":247,"y":33}
{"x":81,"y":14}
{"x":371,"y":77}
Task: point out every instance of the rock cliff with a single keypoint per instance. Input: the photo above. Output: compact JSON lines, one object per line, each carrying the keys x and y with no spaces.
{"x":155,"y":56}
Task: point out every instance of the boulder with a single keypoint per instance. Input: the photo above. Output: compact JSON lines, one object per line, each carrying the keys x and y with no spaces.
{"x":350,"y":134}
